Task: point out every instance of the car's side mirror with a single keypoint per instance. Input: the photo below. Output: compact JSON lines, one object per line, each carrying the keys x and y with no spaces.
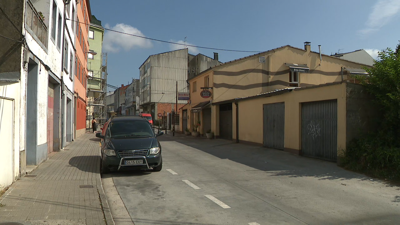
{"x":160,"y":133}
{"x":99,"y":135}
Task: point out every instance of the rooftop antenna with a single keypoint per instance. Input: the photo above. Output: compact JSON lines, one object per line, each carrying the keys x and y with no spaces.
{"x":185,"y":42}
{"x":338,"y":51}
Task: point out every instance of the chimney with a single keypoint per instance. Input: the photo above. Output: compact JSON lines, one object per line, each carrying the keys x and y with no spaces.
{"x":122,"y":85}
{"x":216,"y":56}
{"x":307,"y":46}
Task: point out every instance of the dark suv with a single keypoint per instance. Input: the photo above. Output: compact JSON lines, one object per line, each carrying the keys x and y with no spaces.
{"x":129,"y":142}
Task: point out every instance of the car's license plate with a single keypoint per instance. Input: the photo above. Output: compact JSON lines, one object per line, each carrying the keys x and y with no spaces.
{"x":133,"y":162}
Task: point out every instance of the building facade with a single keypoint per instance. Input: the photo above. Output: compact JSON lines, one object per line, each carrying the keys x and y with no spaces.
{"x":130,"y":98}
{"x":97,"y":66}
{"x":35,"y":76}
{"x":259,"y":99}
{"x":68,"y":71}
{"x":81,"y":28}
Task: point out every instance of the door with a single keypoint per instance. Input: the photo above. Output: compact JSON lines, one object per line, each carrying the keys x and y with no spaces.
{"x":206,"y":120}
{"x":274,"y":125}
{"x":225,"y":121}
{"x":319,"y":130}
{"x":50,"y":118}
{"x":6,"y":140}
{"x":184,"y":120}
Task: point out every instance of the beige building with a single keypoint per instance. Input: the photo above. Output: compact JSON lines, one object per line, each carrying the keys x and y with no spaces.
{"x":286,"y":98}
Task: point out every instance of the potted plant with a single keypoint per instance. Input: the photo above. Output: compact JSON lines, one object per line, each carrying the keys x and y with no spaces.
{"x":187,"y":132}
{"x":209,"y":134}
{"x":195,"y":133}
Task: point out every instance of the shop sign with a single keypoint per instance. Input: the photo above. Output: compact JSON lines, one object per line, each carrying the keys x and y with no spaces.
{"x":205,"y":93}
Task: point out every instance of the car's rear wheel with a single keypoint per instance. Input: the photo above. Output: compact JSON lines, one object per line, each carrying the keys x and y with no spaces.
{"x":158,"y":168}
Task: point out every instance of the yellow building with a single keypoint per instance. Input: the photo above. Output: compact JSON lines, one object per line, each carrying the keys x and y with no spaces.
{"x":286,"y":98}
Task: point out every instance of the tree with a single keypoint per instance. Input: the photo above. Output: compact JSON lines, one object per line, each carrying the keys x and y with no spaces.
{"x":383,"y":83}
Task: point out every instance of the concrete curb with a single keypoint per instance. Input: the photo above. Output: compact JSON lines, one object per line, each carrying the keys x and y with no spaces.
{"x":103,"y":201}
{"x":104,"y":205}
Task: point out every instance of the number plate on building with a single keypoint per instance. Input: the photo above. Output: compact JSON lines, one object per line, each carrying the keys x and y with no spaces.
{"x":133,"y":162}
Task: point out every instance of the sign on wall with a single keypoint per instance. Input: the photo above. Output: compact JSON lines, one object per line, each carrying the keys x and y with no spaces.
{"x":205,"y":93}
{"x":183,"y":96}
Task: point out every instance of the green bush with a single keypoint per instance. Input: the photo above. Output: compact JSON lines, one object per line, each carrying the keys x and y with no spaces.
{"x":373,"y":156}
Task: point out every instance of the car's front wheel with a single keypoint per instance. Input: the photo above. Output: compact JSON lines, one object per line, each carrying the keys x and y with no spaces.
{"x":158,"y":168}
{"x":103,"y":169}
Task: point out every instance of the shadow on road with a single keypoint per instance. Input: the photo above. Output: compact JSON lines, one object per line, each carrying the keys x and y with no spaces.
{"x":86,"y":163}
{"x":274,"y":162}
{"x":95,"y":139}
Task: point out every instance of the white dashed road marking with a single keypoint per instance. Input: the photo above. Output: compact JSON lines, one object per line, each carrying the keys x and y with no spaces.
{"x":254,"y":223}
{"x":218,"y":202}
{"x":191,"y":184}
{"x":172,"y":172}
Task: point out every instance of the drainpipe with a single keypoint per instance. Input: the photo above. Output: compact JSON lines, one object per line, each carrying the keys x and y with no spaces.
{"x":237,"y":122}
{"x":341,"y":72}
{"x":62,"y":78}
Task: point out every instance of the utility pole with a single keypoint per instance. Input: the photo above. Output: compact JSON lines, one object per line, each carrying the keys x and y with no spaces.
{"x":176,"y":108}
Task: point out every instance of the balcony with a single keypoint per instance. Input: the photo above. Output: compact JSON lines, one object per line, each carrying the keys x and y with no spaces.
{"x":35,"y":23}
{"x":96,"y":103}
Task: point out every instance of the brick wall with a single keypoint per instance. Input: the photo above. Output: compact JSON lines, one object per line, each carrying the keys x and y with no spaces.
{"x":167,"y":107}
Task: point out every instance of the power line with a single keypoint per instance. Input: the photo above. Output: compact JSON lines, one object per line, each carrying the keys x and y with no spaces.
{"x":171,"y":42}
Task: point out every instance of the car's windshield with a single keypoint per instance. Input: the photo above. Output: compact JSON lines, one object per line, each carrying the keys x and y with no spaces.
{"x":130,"y":128}
{"x":148,"y":117}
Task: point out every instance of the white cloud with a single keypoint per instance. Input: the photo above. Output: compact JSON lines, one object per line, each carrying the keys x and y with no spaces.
{"x":192,"y":49}
{"x":373,"y":53}
{"x":382,"y":12}
{"x":114,"y":41}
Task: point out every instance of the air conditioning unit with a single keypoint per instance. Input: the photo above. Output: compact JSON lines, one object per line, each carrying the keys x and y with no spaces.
{"x":261,"y":59}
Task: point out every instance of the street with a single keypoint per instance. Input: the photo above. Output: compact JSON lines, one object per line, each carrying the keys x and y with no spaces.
{"x":220,"y":182}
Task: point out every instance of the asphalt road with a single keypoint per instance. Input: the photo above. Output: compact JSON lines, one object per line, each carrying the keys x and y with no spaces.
{"x":220,"y":182}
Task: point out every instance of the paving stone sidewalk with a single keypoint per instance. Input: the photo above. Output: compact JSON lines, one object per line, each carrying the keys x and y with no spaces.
{"x":65,"y":189}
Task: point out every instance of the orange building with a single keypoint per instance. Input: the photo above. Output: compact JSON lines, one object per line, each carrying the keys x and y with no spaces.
{"x":81,"y":29}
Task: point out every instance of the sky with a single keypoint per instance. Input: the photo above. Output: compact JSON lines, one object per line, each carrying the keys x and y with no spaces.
{"x":253,"y":25}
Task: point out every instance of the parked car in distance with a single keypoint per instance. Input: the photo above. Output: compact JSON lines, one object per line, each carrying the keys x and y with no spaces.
{"x":148,"y":117}
{"x":128,"y":142}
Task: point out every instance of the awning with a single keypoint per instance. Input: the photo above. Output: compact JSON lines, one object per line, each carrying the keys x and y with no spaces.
{"x":356,"y":71}
{"x":298,"y":68}
{"x":200,"y":106}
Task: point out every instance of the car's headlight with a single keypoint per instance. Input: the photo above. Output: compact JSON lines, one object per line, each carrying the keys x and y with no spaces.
{"x":154,"y":150}
{"x":109,"y":152}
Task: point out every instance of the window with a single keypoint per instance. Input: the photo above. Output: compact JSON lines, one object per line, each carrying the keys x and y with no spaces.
{"x":206,"y":81}
{"x":194,"y":86}
{"x":293,"y":78}
{"x":73,"y":18}
{"x":59,"y":31}
{"x":65,"y":55}
{"x":54,"y":21}
{"x":91,"y":34}
{"x":79,"y":71}
{"x":90,"y":73}
{"x":68,"y":9}
{"x":71,"y":60}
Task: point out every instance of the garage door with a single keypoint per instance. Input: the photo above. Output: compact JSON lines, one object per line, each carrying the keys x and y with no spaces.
{"x":225,"y":121}
{"x":274,"y":125}
{"x":6,"y":140}
{"x":319,"y":130}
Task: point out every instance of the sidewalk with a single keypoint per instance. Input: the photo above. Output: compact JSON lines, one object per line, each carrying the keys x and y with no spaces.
{"x":65,"y":189}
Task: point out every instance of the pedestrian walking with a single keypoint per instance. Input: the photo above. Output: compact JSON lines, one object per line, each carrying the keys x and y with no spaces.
{"x":94,"y":124}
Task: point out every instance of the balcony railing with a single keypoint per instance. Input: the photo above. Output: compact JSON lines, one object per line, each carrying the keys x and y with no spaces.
{"x":35,"y":23}
{"x":99,"y":102}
